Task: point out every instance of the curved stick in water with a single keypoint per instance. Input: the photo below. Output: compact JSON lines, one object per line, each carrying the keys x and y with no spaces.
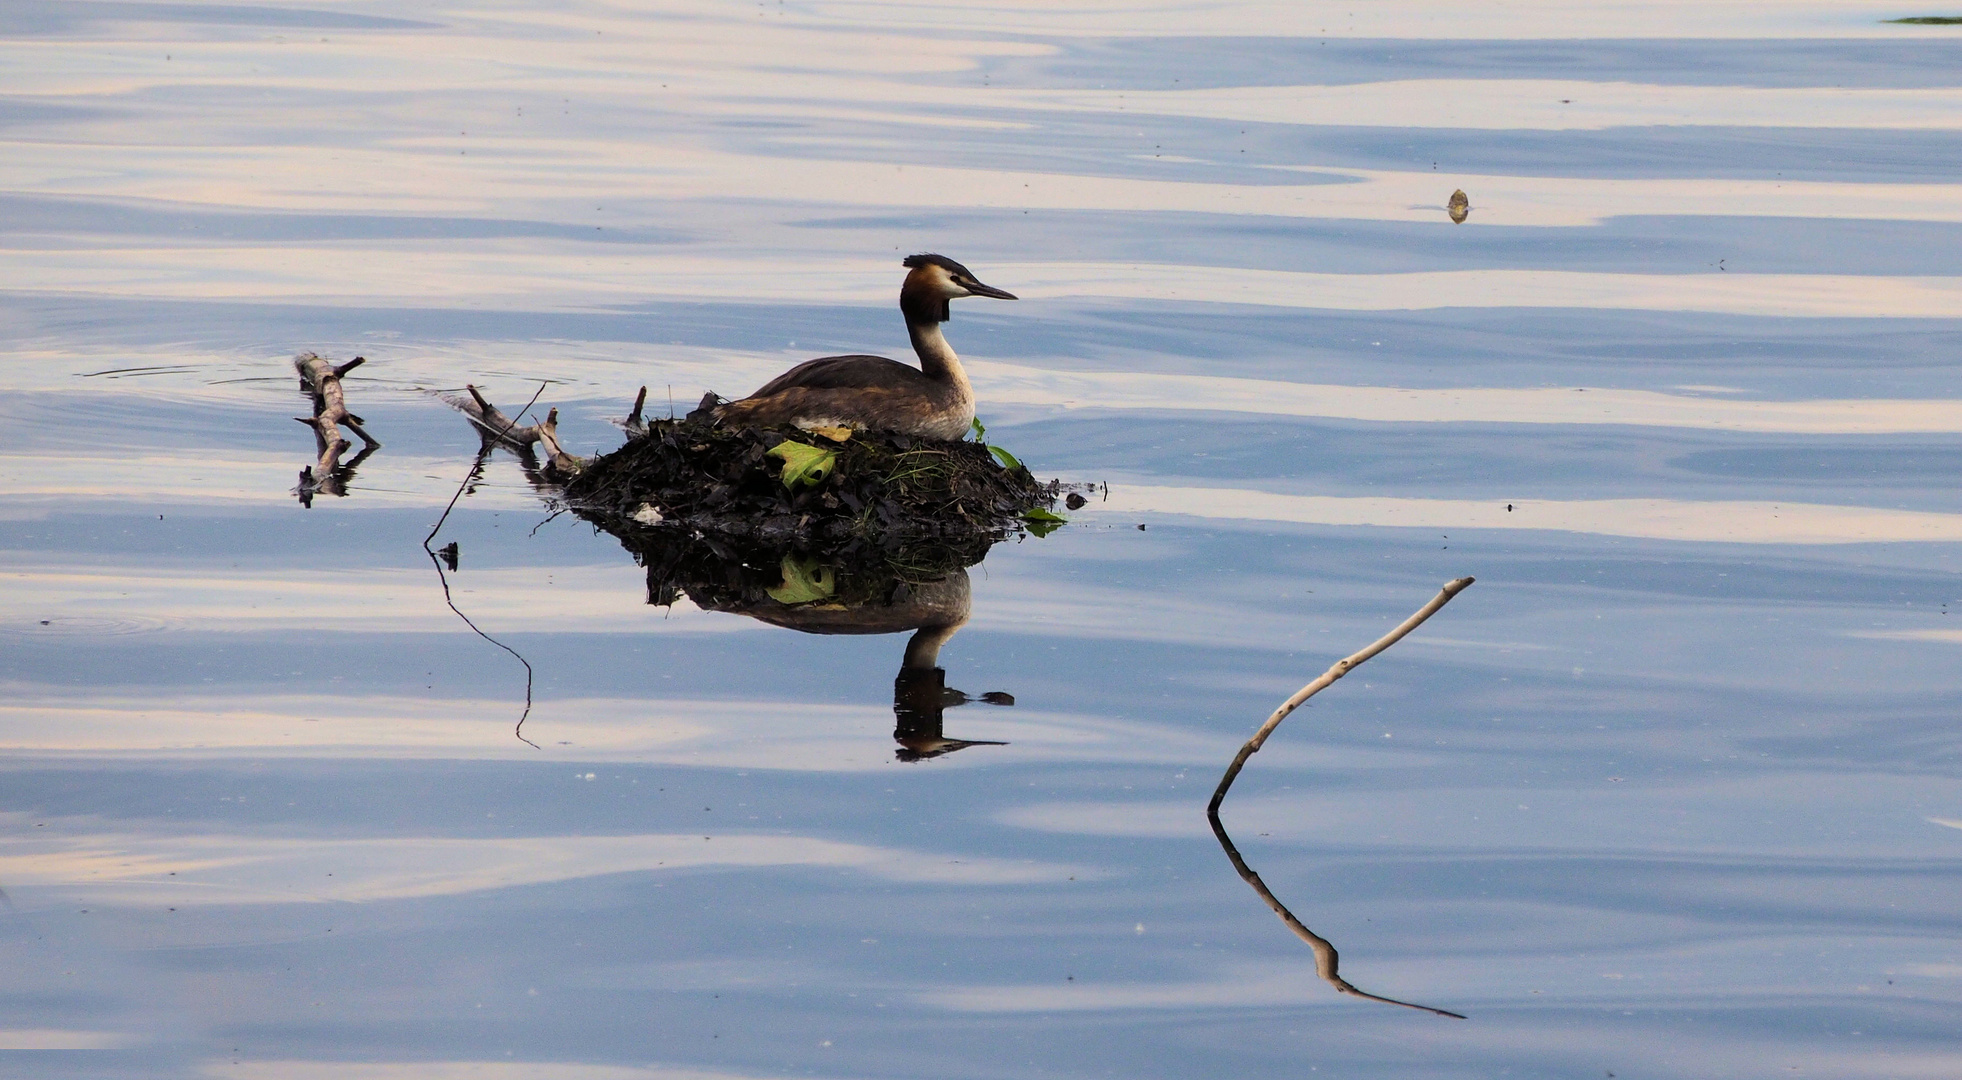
{"x":1326,"y":958}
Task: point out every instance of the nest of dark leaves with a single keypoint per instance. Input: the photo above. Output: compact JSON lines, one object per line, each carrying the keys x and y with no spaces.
{"x":884,"y":494}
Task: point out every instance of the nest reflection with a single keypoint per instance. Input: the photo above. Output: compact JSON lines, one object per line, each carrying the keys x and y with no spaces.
{"x":848,"y":589}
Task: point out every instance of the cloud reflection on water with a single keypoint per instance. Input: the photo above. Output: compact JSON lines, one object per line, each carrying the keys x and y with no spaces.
{"x":1653,"y":519}
{"x":465,"y":1069}
{"x":764,"y":734}
{"x":1525,"y":104}
{"x":135,"y":868}
{"x":583,"y":279}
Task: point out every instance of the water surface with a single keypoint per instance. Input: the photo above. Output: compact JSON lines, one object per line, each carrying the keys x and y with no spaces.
{"x":1671,"y":792}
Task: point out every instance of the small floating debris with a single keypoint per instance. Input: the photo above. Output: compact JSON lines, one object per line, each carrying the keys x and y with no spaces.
{"x":1459,"y":207}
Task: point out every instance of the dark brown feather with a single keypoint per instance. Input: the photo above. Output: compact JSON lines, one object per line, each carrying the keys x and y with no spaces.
{"x":856,"y":372}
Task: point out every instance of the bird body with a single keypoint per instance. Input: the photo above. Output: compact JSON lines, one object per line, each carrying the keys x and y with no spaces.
{"x":873,"y":393}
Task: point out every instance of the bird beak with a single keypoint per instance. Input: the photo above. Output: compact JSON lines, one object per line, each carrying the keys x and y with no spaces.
{"x":978,"y":289}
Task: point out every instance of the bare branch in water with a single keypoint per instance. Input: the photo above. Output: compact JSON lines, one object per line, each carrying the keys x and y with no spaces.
{"x":555,"y":455}
{"x":322,"y":379}
{"x":496,"y":428}
{"x":500,"y":430}
{"x":1342,"y":667}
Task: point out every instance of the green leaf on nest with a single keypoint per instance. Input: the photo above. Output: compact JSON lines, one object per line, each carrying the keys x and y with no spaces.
{"x":1042,"y":522}
{"x":804,"y":580}
{"x":1008,"y":460}
{"x":804,"y":465}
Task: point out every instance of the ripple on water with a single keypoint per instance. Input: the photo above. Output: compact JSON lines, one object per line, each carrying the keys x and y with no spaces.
{"x":83,"y":626}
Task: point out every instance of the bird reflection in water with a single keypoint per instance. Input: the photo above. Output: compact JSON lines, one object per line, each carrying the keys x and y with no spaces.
{"x":920,"y":694}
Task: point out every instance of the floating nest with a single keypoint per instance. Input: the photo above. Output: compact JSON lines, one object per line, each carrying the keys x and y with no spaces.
{"x":730,"y":515}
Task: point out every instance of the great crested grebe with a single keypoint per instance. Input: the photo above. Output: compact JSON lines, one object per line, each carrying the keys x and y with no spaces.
{"x":872,"y":393}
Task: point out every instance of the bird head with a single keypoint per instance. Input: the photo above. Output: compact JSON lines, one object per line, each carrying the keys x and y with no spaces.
{"x":934,"y":281}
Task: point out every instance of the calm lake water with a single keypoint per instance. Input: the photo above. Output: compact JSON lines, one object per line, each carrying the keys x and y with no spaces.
{"x":1675,"y":790}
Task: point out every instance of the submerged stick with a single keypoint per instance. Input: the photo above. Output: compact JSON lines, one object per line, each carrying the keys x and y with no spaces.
{"x":482,"y":418}
{"x":448,"y":554}
{"x":1342,"y":667}
{"x":1326,"y":958}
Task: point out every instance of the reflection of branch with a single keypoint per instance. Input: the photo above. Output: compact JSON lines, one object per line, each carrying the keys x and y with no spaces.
{"x":1325,"y":955}
{"x":1341,"y":668}
{"x":492,"y":438}
{"x":330,"y":475}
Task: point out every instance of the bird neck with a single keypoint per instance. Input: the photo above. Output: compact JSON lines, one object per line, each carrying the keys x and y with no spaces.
{"x":937,"y":357}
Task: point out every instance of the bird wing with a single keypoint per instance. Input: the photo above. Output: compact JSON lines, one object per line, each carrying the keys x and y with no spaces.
{"x":842,"y":373}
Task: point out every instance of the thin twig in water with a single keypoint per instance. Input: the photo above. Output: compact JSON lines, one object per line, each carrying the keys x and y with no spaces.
{"x":475,"y":471}
{"x":1326,"y":958}
{"x":1342,"y":667}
